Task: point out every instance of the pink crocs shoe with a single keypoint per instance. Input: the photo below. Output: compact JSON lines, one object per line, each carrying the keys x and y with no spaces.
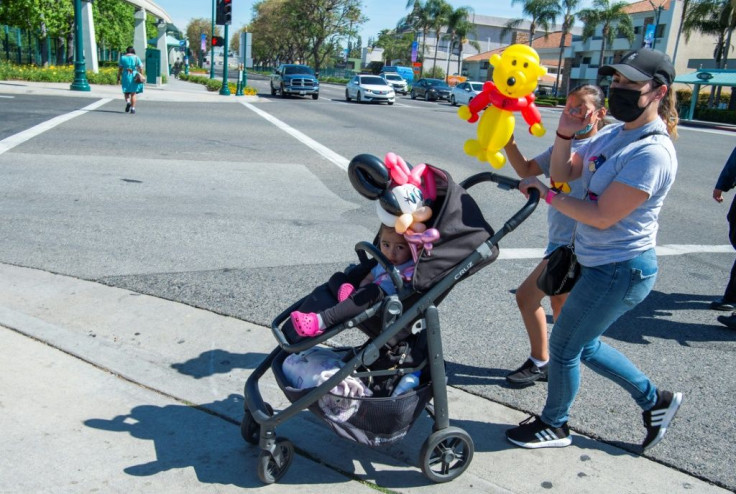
{"x":345,"y":290}
{"x":305,"y":324}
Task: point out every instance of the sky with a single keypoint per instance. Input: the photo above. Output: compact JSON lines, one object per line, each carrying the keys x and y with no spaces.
{"x":382,"y":14}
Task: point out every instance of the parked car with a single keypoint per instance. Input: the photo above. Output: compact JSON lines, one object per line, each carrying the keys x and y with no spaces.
{"x":396,"y":81}
{"x":292,"y":78}
{"x":369,"y":88}
{"x":464,"y":92}
{"x":430,"y":90}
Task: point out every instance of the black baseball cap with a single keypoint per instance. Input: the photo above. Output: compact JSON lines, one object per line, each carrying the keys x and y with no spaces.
{"x":641,"y":65}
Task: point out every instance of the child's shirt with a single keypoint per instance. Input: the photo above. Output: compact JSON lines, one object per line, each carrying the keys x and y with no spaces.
{"x":382,"y":279}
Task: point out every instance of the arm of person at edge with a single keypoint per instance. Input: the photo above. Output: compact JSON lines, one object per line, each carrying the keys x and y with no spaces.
{"x":524,"y":167}
{"x":727,"y":179}
{"x":613,"y":204}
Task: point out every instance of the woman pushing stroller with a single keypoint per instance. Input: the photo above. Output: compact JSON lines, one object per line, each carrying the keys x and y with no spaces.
{"x":627,"y":170}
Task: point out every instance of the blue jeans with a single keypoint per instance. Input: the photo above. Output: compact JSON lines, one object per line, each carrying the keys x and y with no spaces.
{"x":601,"y":295}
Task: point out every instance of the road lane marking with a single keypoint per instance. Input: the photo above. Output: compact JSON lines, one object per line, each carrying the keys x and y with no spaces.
{"x":662,"y":250}
{"x":21,"y":137}
{"x":9,"y":97}
{"x":328,"y":153}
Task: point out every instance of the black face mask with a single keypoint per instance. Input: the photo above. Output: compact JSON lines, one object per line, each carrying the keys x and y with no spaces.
{"x":624,"y":104}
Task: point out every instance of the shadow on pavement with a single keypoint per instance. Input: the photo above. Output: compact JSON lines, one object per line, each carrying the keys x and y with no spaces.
{"x":218,"y":362}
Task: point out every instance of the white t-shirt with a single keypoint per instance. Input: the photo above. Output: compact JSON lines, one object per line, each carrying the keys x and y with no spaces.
{"x":650,"y":165}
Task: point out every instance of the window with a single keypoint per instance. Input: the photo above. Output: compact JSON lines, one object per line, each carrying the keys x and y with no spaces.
{"x":586,"y":60}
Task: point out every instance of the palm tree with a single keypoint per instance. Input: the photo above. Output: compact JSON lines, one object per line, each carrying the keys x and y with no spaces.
{"x":712,"y":18}
{"x":542,"y":12}
{"x":613,"y":19}
{"x":567,"y":22}
{"x":419,"y":20}
{"x":458,"y":26}
{"x":440,"y":12}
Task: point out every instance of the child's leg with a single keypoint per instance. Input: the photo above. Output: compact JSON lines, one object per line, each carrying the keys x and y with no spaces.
{"x":336,"y":281}
{"x":356,"y":303}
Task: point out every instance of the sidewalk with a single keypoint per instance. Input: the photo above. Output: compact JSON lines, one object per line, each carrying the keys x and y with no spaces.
{"x":174,"y":91}
{"x":110,"y":390}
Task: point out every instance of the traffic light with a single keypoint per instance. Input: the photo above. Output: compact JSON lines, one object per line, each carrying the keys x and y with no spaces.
{"x":224,"y":12}
{"x":218,"y":41}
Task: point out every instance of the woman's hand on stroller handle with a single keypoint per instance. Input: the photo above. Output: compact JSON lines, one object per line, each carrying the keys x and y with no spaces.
{"x":532,"y":183}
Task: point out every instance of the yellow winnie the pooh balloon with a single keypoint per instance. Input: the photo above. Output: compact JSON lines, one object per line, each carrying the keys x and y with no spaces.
{"x":515,"y":74}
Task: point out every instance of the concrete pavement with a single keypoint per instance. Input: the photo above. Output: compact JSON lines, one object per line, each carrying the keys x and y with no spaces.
{"x":112,"y":390}
{"x":109,"y":389}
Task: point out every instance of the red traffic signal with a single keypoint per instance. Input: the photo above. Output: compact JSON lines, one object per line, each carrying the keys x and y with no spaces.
{"x":218,"y":41}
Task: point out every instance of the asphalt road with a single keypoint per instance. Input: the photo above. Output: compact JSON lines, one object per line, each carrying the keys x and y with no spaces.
{"x":217,"y":207}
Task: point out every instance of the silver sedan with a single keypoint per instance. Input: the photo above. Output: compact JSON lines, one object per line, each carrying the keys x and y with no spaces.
{"x":366,"y":88}
{"x":464,"y":92}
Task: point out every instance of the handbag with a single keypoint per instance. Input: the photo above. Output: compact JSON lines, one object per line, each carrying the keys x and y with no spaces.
{"x":561,"y":272}
{"x":138,"y":78}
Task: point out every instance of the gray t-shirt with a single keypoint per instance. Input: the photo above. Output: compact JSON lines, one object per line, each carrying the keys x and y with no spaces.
{"x":648,"y":164}
{"x":561,"y":226}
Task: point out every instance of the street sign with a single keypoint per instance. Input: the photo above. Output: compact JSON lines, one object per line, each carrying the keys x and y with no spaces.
{"x":704,"y":76}
{"x":182,"y":43}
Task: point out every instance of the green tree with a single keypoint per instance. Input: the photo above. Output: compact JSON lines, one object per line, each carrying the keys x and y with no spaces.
{"x":418,"y":20}
{"x":323,"y":23}
{"x":303,"y":30}
{"x":612,"y":18}
{"x":712,"y":18}
{"x":44,"y":18}
{"x":542,"y":13}
{"x":194,"y":30}
{"x":567,"y":9}
{"x":439,"y":11}
{"x":114,"y":24}
{"x":459,"y":27}
{"x":395,"y":45}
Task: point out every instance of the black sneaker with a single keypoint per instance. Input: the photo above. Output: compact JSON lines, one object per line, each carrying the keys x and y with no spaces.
{"x":728,"y":321}
{"x":537,"y":434}
{"x":659,"y":417}
{"x":127,"y":108}
{"x":527,"y":374}
{"x":721,"y":304}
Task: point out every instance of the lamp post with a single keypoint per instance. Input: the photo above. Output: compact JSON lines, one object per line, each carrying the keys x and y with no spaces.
{"x":224,"y":90}
{"x":212,"y":47}
{"x":658,"y":10}
{"x":80,"y":70}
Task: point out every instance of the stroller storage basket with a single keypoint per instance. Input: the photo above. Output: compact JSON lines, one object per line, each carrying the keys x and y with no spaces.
{"x":373,"y":421}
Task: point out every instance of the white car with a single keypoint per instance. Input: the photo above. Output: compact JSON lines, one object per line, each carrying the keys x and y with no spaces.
{"x":464,"y":92}
{"x":397,"y":82}
{"x":369,"y":88}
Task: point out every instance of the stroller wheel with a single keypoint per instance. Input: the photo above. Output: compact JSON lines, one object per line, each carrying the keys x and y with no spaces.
{"x":271,"y":467}
{"x":446,"y":454}
{"x":249,"y":428}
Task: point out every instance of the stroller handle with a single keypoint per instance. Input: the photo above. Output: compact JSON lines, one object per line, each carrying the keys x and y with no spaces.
{"x":506,"y":183}
{"x":363,"y":248}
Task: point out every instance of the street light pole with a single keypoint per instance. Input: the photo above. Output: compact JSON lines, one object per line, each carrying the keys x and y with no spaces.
{"x":224,"y":90}
{"x":80,"y":70}
{"x":212,"y":47}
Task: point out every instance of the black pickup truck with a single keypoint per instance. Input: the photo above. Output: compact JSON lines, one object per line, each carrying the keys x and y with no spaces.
{"x":294,"y":79}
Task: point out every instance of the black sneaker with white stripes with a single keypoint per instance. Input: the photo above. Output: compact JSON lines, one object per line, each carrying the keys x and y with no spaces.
{"x":537,"y":434}
{"x":659,"y":417}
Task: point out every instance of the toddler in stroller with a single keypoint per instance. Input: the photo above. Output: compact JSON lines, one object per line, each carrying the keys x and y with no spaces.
{"x":370,"y":290}
{"x":403,"y":328}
